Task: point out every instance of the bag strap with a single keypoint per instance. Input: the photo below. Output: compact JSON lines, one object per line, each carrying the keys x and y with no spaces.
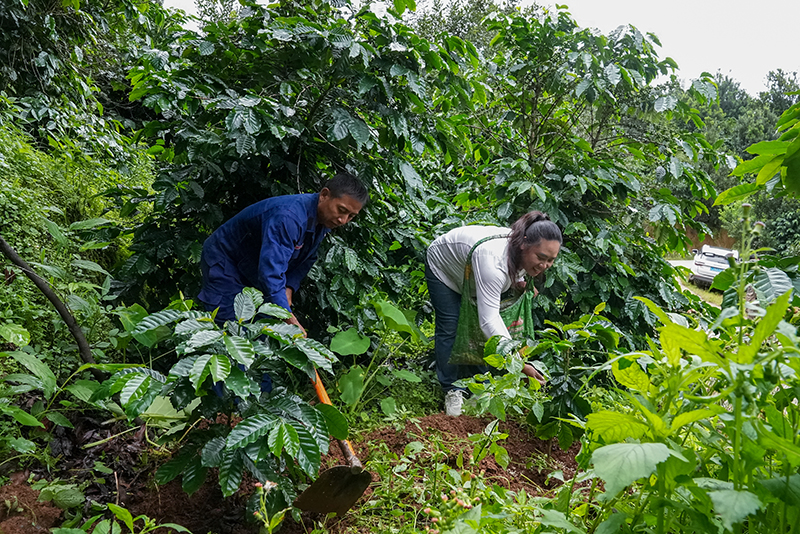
{"x":468,"y":266}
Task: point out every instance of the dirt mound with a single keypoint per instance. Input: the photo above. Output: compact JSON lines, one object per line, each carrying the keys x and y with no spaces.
{"x":21,"y":512}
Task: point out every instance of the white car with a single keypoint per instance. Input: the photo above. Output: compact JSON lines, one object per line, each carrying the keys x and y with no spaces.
{"x":709,"y":261}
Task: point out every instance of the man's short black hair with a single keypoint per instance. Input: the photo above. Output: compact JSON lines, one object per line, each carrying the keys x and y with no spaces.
{"x":347,"y":184}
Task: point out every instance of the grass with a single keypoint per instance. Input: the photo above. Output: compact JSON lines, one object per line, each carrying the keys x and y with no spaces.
{"x":712,"y":297}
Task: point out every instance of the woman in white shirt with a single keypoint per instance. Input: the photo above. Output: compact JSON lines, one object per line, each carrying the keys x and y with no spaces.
{"x":529,"y":247}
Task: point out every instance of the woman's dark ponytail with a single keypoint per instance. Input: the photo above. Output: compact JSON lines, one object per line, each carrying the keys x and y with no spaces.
{"x":526,"y":231}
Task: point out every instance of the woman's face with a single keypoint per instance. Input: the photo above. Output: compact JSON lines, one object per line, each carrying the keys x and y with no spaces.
{"x":537,"y":258}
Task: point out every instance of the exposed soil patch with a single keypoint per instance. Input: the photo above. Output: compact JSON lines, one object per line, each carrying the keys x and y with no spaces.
{"x":439,"y":439}
{"x":21,"y":512}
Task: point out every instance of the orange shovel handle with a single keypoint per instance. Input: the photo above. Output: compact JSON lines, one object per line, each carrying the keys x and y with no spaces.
{"x":344,"y":445}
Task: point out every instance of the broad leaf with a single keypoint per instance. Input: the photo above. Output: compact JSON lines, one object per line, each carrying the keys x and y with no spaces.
{"x":350,"y":342}
{"x":613,"y":427}
{"x":351,"y":385}
{"x":734,"y":506}
{"x":621,"y":464}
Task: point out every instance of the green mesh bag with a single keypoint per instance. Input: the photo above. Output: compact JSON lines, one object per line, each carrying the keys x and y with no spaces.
{"x":515,"y":312}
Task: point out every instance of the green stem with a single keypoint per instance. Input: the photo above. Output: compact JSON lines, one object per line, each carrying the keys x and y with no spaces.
{"x":737,"y":443}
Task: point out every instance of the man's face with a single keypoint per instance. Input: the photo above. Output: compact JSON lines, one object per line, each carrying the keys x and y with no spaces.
{"x":333,"y":212}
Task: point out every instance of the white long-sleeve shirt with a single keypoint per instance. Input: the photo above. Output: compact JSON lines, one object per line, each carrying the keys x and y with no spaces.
{"x":447,"y":258}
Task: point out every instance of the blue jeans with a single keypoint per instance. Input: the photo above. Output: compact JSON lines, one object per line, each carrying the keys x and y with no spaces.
{"x":447,"y":305}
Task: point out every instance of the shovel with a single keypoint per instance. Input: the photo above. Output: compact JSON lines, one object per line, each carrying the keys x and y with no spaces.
{"x":337,"y":489}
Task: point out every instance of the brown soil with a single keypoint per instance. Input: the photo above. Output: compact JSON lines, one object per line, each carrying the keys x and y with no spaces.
{"x":442,"y":439}
{"x":20,"y":511}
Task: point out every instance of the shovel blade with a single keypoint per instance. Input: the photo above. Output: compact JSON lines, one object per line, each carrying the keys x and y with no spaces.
{"x":336,"y":490}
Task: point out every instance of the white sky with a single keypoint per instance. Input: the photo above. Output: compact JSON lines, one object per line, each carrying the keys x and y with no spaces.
{"x":741,"y":38}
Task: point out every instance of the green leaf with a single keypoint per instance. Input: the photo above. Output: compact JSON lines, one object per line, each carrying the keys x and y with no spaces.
{"x":629,"y":373}
{"x":230,"y":471}
{"x":39,"y":369}
{"x":282,"y":437}
{"x":787,"y":489}
{"x":174,"y":467}
{"x":771,"y":283}
{"x":220,"y":367}
{"x":613,"y":427}
{"x":240,"y":349}
{"x":350,"y":342}
{"x":88,"y":223}
{"x":87,"y":265}
{"x":388,"y":406}
{"x":200,"y":370}
{"x":612,"y":524}
{"x":406,"y":375}
{"x":351,"y":385}
{"x":556,"y":519}
{"x":621,"y":464}
{"x":56,"y":232}
{"x":122,"y":514}
{"x":734,"y":506}
{"x":251,"y":429}
{"x":308,"y":455}
{"x":194,"y":475}
{"x":690,"y":417}
{"x":334,"y":420}
{"x":20,"y":416}
{"x":736,"y":193}
{"x":59,"y":419}
{"x":317,"y":353}
{"x":274,"y":310}
{"x":244,"y":306}
{"x":161,"y":318}
{"x":678,"y":337}
{"x":15,"y":334}
{"x":766,"y":326}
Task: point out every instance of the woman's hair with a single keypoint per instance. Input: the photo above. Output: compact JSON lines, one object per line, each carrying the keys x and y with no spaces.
{"x":526,"y":231}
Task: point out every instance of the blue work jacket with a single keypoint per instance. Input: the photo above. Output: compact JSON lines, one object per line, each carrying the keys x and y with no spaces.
{"x":270,"y":245}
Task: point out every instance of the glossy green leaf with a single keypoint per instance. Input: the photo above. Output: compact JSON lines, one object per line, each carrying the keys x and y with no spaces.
{"x":787,"y":489}
{"x":771,"y":283}
{"x":308,"y":455}
{"x":15,"y":334}
{"x":273,"y":310}
{"x":251,"y":429}
{"x":335,"y":421}
{"x":194,"y":475}
{"x":59,"y":419}
{"x":240,"y":349}
{"x":230,"y":471}
{"x":283,"y":437}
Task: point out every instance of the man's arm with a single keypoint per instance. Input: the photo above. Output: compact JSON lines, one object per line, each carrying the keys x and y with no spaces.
{"x":280,"y":232}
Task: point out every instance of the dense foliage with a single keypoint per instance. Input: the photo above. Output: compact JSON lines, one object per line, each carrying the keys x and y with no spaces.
{"x":127,"y":138}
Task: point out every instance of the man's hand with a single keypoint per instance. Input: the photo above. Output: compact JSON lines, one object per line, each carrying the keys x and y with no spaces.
{"x":529,"y":370}
{"x":293,"y":320}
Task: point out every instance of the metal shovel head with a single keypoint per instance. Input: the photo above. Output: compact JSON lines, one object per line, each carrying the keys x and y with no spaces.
{"x":336,"y":490}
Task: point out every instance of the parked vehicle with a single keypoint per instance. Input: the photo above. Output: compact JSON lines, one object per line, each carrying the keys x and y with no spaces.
{"x":708,"y":262}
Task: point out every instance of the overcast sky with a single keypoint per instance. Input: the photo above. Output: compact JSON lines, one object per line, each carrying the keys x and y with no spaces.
{"x":741,"y":38}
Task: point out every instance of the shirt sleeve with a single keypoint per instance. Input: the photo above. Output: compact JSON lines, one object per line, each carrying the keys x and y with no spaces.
{"x":490,"y":282}
{"x":280,"y":232}
{"x":297,"y":274}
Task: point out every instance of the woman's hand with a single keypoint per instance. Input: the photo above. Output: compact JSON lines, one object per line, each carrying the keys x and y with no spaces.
{"x":530,"y":371}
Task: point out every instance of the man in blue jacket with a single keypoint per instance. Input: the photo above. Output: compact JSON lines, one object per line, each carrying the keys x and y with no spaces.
{"x":272,"y":244}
